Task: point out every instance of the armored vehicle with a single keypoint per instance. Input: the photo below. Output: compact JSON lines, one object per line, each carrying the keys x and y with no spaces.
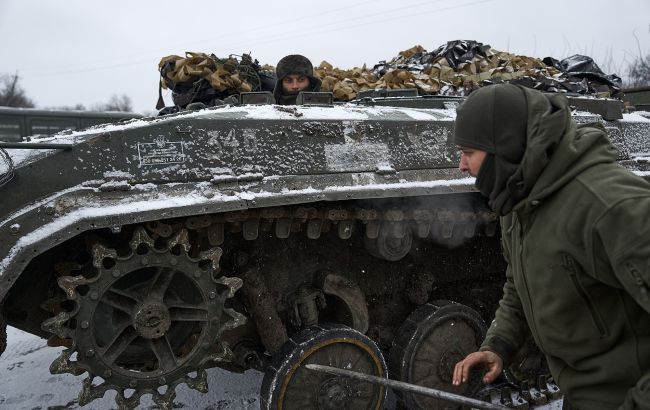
{"x":18,"y":124}
{"x":267,"y":237}
{"x":638,"y":97}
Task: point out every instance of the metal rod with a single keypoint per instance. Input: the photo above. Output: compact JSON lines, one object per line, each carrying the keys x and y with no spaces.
{"x":35,"y":145}
{"x":438,"y":394}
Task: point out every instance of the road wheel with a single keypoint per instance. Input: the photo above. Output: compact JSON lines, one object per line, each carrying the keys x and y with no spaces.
{"x":288,"y":385}
{"x":429,"y":344}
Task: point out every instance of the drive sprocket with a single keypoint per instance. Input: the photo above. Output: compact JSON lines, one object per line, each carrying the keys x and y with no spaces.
{"x":146,"y":320}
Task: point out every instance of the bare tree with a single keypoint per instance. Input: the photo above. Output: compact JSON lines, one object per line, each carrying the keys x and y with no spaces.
{"x":611,"y":65}
{"x":639,"y":69}
{"x":12,"y":94}
{"x":639,"y":72}
{"x":119,"y":103}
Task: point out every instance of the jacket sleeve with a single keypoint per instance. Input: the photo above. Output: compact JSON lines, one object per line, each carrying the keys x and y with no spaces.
{"x":509,"y":329}
{"x":624,"y":233}
{"x":638,"y":397}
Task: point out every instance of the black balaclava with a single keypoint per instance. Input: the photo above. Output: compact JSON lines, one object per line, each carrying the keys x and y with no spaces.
{"x":293,"y":64}
{"x":494,"y":119}
{"x":519,"y":128}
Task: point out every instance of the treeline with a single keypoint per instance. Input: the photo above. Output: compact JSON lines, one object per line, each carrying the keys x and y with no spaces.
{"x":13,"y":95}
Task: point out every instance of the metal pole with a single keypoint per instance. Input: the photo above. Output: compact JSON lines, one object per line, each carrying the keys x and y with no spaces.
{"x":438,"y":394}
{"x":35,"y":145}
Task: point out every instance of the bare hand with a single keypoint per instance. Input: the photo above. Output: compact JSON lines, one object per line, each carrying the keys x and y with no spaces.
{"x":487,"y":359}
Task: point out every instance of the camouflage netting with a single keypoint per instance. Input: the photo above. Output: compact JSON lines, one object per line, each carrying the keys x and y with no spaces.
{"x":199,"y":77}
{"x":221,"y":74}
{"x":459,"y":67}
{"x":456,"y":68}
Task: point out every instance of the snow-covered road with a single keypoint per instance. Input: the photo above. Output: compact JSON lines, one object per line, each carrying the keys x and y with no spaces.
{"x":26,"y":383}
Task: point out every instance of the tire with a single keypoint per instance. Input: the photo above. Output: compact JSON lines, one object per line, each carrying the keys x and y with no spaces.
{"x":288,"y":386}
{"x":429,"y":344}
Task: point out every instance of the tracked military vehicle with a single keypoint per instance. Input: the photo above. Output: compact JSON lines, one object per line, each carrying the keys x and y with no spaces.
{"x":267,"y":237}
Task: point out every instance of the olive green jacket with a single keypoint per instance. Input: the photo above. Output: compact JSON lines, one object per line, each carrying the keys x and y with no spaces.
{"x":578,"y":252}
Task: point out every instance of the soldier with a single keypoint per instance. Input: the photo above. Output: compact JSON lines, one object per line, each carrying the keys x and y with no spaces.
{"x":576,"y":236}
{"x":295,"y":73}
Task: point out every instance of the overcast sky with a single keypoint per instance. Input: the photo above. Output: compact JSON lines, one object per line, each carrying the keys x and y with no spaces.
{"x":83,"y":51}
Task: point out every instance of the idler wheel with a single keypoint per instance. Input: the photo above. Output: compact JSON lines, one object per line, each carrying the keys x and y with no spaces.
{"x":429,"y":344}
{"x":288,"y":385}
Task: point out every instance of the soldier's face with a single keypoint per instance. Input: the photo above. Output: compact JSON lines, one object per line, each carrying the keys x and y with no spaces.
{"x":294,"y":83}
{"x":471,"y":160}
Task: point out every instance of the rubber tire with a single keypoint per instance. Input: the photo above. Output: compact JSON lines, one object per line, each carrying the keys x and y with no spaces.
{"x":404,"y":351}
{"x":284,"y":362}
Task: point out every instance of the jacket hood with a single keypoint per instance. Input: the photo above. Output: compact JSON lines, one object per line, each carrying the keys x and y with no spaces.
{"x":534,"y":148}
{"x":582,"y":147}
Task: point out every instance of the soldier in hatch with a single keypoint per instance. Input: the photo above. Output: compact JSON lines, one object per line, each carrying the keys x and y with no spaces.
{"x":295,"y":73}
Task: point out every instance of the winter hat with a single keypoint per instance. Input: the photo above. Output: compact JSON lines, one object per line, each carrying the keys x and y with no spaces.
{"x":294,"y":64}
{"x":494,"y":119}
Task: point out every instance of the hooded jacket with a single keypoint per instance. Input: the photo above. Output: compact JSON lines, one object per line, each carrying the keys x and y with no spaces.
{"x":293,"y":64}
{"x":576,"y":236}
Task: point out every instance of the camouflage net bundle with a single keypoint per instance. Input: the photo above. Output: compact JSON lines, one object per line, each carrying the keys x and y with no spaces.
{"x":221,"y":74}
{"x":199,"y":77}
{"x":459,"y":67}
{"x":345,"y":84}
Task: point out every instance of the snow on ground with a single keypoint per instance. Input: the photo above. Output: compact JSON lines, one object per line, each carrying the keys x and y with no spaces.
{"x":26,"y":383}
{"x":635,"y":117}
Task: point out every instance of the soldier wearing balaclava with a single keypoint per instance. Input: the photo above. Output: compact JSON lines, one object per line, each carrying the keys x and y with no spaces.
{"x":575,"y":230}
